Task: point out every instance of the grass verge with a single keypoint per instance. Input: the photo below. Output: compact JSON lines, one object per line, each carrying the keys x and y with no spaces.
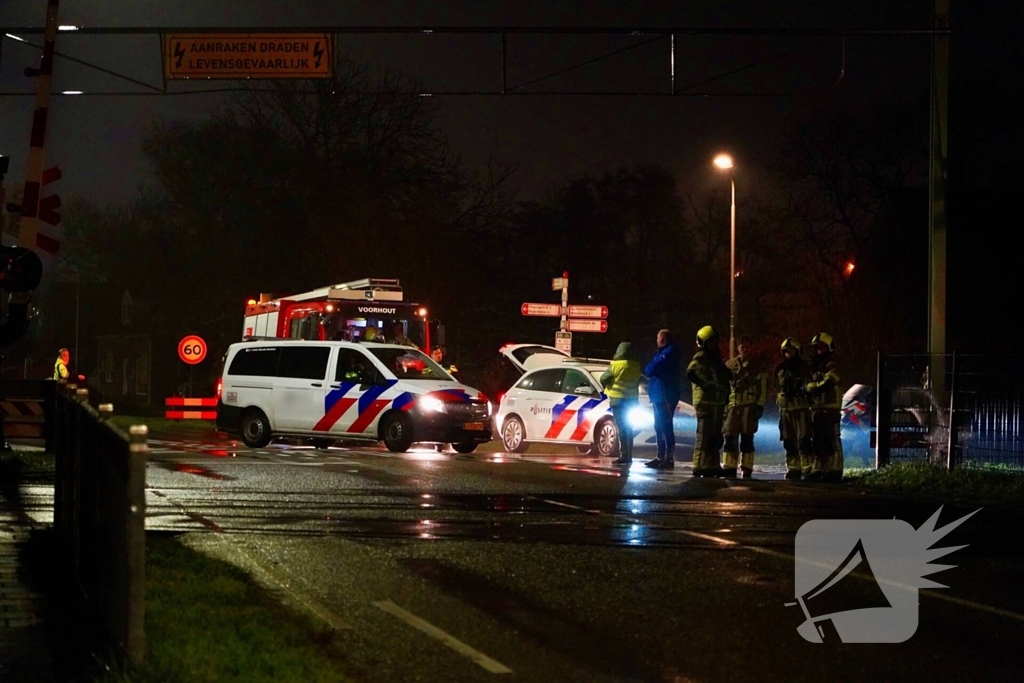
{"x":163,"y":425}
{"x":968,"y":483}
{"x":208,"y":622}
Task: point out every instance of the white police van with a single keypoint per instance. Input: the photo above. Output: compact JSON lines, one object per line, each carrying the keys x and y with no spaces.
{"x":345,"y":390}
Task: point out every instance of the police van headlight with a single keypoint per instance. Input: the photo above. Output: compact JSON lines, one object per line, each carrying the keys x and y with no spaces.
{"x":431,"y":404}
{"x":640,"y":418}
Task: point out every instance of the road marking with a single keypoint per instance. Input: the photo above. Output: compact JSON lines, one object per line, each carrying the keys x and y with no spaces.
{"x":567,"y":505}
{"x":930,"y":593}
{"x":451,"y":641}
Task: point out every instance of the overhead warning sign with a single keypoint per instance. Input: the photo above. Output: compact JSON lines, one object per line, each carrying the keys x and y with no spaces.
{"x":253,"y":55}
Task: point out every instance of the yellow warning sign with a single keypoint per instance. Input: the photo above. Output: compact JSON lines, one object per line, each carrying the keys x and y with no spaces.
{"x":254,"y":55}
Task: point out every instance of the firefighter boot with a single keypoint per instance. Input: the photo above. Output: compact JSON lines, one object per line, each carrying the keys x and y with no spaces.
{"x":731,"y":456}
{"x":792,"y":460}
{"x":748,"y":465}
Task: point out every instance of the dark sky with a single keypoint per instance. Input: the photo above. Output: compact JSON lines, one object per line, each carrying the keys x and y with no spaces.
{"x":96,"y":139}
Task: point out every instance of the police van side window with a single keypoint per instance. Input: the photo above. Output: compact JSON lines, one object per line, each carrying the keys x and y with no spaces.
{"x":258,"y":361}
{"x":304,"y":362}
{"x":353,"y":366}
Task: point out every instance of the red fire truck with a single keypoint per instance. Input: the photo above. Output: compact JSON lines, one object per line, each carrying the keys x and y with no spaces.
{"x":344,"y":311}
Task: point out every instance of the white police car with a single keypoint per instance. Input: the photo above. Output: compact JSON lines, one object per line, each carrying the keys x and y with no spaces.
{"x":559,"y":400}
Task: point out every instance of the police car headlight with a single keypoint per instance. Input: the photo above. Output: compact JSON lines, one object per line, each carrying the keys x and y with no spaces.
{"x":431,"y":404}
{"x":640,"y":418}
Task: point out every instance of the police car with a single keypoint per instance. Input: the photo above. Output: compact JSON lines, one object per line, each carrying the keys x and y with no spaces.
{"x":360,"y":391}
{"x":559,"y":400}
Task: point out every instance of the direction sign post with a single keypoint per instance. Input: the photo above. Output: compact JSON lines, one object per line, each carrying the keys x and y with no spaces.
{"x":544,"y":310}
{"x":588,"y":311}
{"x":563,"y":342}
{"x":585,"y":325}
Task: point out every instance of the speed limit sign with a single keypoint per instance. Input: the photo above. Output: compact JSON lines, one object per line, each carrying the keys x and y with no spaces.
{"x":192,"y":349}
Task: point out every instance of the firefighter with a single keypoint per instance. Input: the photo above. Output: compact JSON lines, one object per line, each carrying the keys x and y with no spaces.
{"x":397,"y":335}
{"x":748,"y":390}
{"x":710,"y":379}
{"x":370,"y":334}
{"x":794,"y":414}
{"x":826,"y":411}
{"x":60,"y":367}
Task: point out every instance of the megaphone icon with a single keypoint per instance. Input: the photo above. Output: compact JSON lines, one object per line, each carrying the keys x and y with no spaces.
{"x":839,"y":593}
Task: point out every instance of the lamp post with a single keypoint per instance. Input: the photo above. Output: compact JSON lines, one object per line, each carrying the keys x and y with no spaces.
{"x":724,"y":162}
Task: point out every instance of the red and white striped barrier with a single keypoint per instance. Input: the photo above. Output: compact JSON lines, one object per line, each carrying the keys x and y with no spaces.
{"x":181,"y":403}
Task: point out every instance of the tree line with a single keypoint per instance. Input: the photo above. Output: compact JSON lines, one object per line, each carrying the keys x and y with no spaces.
{"x":308,"y":183}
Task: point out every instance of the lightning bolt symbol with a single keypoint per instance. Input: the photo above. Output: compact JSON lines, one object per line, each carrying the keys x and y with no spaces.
{"x":318,"y":53}
{"x":179,"y":54}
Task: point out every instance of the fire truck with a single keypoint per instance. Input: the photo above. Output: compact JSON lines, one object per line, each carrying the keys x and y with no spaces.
{"x":342,"y":312}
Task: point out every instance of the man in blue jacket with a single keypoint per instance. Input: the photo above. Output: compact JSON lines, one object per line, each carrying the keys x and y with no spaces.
{"x":664,"y":372}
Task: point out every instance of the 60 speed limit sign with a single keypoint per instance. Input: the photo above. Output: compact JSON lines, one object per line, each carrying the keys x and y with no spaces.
{"x":192,"y":349}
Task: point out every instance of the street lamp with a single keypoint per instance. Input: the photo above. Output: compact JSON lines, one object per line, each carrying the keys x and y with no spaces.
{"x":724,"y":162}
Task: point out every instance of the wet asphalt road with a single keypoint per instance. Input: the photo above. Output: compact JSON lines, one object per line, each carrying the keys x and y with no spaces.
{"x":442,"y":567}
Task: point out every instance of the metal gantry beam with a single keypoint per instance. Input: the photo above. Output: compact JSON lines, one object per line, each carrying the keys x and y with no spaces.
{"x":645,"y":34}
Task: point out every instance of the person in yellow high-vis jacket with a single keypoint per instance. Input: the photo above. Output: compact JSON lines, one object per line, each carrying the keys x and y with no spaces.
{"x":60,"y":366}
{"x":826,"y":411}
{"x":748,"y":389}
{"x":621,"y":383}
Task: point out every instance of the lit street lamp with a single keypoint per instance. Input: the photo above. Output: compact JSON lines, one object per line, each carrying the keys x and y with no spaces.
{"x":724,"y":162}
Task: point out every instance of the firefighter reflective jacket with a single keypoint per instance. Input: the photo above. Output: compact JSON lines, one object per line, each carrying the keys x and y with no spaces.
{"x":791,"y":376}
{"x":823,"y":386}
{"x":710,"y":379}
{"x":748,"y":383}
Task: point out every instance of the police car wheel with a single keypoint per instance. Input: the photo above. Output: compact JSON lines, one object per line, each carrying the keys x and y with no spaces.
{"x":465,"y":447}
{"x":255,"y":429}
{"x":606,"y":439}
{"x":396,"y":432}
{"x":513,"y":435}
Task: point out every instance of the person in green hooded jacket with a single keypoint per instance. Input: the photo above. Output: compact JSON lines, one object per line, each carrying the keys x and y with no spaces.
{"x":621,"y":382}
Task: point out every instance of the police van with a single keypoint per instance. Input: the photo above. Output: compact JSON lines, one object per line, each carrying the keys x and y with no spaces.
{"x":346,"y":390}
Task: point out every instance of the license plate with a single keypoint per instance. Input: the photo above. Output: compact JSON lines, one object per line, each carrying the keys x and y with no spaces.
{"x":474,"y":426}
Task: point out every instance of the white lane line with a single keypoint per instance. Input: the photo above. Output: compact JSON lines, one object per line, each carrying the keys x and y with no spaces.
{"x":451,"y":641}
{"x":930,"y":593}
{"x":566,"y":505}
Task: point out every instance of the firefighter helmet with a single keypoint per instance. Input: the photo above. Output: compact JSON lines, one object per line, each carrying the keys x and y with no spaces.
{"x":791,"y":343}
{"x":823,"y":338}
{"x":705,"y":334}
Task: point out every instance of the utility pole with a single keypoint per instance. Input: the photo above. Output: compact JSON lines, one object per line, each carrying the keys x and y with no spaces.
{"x":937,"y":183}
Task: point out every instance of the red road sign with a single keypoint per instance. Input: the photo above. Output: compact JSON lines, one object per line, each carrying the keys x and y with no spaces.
{"x":588,"y":311}
{"x":584,"y":325}
{"x":192,"y":349}
{"x":547,"y":310}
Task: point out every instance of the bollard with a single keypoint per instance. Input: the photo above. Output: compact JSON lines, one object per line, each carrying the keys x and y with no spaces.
{"x":106,"y":410}
{"x":135,"y":635}
{"x":82,"y":395}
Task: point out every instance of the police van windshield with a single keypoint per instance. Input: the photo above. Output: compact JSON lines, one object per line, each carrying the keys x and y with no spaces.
{"x":410,"y":364}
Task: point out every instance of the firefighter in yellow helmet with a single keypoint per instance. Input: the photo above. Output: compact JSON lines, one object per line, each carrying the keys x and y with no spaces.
{"x":795,"y":428}
{"x":748,"y":391}
{"x":710,"y":379}
{"x":826,"y":411}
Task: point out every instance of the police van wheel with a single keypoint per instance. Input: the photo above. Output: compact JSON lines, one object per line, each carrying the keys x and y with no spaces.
{"x":255,"y":429}
{"x":464,"y":447}
{"x":513,"y":435}
{"x":396,"y":432}
{"x":606,"y":439}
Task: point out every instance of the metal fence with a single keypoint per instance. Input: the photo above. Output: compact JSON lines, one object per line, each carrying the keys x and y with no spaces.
{"x":99,"y":514}
{"x":950,"y":409}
